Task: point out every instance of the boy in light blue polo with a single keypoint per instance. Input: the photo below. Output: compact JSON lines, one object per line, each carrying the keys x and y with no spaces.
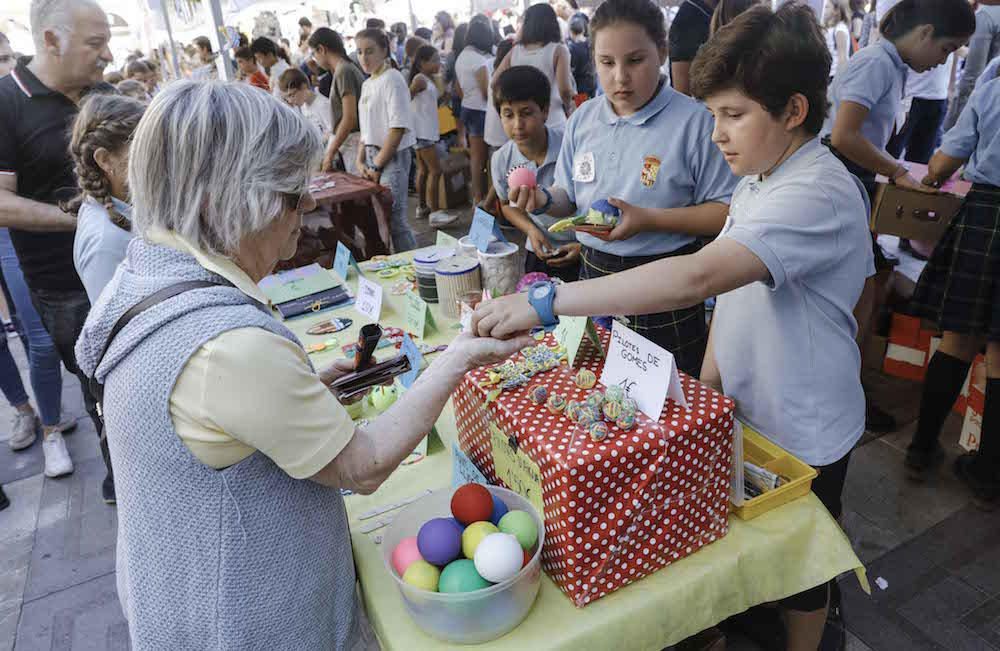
{"x":521,"y":98}
{"x":976,"y":136}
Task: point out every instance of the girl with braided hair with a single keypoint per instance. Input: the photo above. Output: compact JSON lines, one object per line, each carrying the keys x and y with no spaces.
{"x":99,"y":145}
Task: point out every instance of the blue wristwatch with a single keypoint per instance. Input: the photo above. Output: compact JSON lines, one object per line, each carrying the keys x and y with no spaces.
{"x":541,"y":296}
{"x":544,"y":208}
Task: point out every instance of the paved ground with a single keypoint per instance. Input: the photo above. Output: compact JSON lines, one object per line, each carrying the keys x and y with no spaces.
{"x":939,"y":555}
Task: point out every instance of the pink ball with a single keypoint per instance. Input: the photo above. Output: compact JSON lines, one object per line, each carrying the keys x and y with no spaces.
{"x":405,"y":554}
{"x":521,"y":176}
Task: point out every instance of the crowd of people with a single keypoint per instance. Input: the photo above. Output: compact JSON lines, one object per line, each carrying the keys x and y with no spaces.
{"x":739,"y":145}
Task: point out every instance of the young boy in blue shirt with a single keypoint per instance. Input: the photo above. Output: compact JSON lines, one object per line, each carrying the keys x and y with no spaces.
{"x":788,"y":266}
{"x":521,"y":96}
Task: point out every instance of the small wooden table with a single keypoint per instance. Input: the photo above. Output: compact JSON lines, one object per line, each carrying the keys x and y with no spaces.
{"x":355,"y":202}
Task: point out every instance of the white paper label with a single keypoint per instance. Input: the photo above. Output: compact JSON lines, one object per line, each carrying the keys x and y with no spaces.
{"x":647,"y":372}
{"x":369,"y":300}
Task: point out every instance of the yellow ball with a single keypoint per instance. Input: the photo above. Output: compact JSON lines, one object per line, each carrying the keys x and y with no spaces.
{"x":423,"y":575}
{"x":474,"y":534}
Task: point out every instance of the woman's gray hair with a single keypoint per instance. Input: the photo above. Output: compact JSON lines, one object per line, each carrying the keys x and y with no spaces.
{"x":216,"y":161}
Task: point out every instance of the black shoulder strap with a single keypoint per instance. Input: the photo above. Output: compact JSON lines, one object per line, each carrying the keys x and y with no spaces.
{"x":96,"y":388}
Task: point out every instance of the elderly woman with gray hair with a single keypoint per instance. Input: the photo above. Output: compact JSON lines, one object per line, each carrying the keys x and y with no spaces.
{"x":230,"y":450}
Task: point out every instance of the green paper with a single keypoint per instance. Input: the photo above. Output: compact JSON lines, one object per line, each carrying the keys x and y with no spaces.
{"x":418,"y":315}
{"x":569,"y":333}
{"x":445,"y":240}
{"x":297,"y":283}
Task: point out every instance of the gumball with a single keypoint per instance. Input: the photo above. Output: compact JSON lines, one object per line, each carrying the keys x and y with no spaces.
{"x":499,"y":510}
{"x":626,"y":421}
{"x":629,"y":406}
{"x":612,"y":410}
{"x":439,"y":541}
{"x":383,"y":397}
{"x":585,"y":378}
{"x":405,"y":554}
{"x":614,"y":393}
{"x":522,"y":526}
{"x":595,"y":399}
{"x":572,"y":410}
{"x":522,"y":176}
{"x":556,"y":403}
{"x":586,"y":416}
{"x":471,"y":503}
{"x":461,"y":576}
{"x":423,"y":575}
{"x":598,"y":431}
{"x":538,"y":394}
{"x":474,"y":534}
{"x":499,"y":557}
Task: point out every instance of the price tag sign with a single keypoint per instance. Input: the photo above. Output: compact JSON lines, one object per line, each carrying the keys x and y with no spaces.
{"x":343,"y":261}
{"x":570,"y":333}
{"x":484,"y":229}
{"x":418,"y":315}
{"x":463,"y":471}
{"x":369,"y":300}
{"x":445,"y":240}
{"x":412,"y":353}
{"x":647,"y":372}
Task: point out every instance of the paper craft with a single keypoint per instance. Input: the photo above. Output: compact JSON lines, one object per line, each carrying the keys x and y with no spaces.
{"x":418,"y":316}
{"x":289,"y":285}
{"x":344,"y":260}
{"x":463,"y":471}
{"x":647,"y":373}
{"x":570,"y":333}
{"x":412,"y":353}
{"x":484,"y":230}
{"x":446,"y":240}
{"x":369,"y":301}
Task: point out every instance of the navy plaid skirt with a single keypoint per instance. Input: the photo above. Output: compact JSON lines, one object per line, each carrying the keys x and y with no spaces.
{"x":682,"y":332}
{"x":959,"y":288}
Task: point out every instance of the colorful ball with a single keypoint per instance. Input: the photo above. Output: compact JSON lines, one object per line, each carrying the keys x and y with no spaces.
{"x":612,"y":410}
{"x":522,"y":176}
{"x":614,"y":393}
{"x":461,"y":576}
{"x":585,"y":379}
{"x":499,"y":510}
{"x":474,"y":534}
{"x":499,"y":557}
{"x":595,"y":399}
{"x":556,"y":403}
{"x":572,"y":410}
{"x":586,"y":416}
{"x":626,"y":421}
{"x":439,"y":541}
{"x":599,"y":431}
{"x":423,"y":575}
{"x":405,"y":554}
{"x":471,"y":503}
{"x":383,"y":397}
{"x":629,"y":406}
{"x":538,"y":394}
{"x":521,"y":525}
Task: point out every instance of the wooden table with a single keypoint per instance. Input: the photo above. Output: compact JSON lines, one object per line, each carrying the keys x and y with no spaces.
{"x":355,"y":203}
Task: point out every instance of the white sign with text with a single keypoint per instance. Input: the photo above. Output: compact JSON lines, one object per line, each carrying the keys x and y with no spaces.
{"x":647,"y":372}
{"x":369,"y":300}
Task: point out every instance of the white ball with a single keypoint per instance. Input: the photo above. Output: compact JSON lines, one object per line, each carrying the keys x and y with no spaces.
{"x":498,"y":557}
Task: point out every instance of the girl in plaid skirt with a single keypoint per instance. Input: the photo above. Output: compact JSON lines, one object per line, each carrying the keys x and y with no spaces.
{"x":960,"y":290}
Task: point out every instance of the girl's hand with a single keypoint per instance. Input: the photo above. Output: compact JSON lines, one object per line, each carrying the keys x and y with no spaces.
{"x":371,"y":174}
{"x":631,"y":221}
{"x":566,"y":255}
{"x":503,"y":317}
{"x":932,"y":181}
{"x":907,"y":181}
{"x":540,"y":244}
{"x":525,"y":198}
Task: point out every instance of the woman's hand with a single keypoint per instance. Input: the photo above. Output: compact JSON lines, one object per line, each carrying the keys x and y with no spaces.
{"x":371,"y":174}
{"x":566,"y":255}
{"x":908,"y":182}
{"x":504,"y":317}
{"x":338,"y":369}
{"x":631,"y":221}
{"x":525,"y":198}
{"x":327,"y":165}
{"x":484,"y":351}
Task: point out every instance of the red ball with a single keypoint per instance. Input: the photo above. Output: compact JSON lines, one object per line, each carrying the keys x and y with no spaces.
{"x":472,"y":503}
{"x":522,"y":176}
{"x":528,"y":555}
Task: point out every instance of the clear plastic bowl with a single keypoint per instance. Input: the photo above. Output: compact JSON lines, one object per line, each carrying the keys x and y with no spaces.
{"x":467,"y":617}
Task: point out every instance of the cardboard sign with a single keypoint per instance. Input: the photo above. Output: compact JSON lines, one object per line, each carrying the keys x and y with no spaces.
{"x":516,"y":469}
{"x":412,"y":353}
{"x":445,"y":240}
{"x":418,"y":316}
{"x":369,"y":300}
{"x":344,"y":260}
{"x":463,"y":471}
{"x":570,"y":332}
{"x":647,"y":372}
{"x":484,"y":229}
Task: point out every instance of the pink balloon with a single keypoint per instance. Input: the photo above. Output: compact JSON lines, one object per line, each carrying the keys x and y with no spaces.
{"x":405,"y":554}
{"x":521,"y":176}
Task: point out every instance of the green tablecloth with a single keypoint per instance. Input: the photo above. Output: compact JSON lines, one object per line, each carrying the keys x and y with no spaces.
{"x":781,"y":553}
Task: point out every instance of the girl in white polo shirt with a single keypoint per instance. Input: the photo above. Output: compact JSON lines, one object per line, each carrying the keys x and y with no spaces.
{"x":387,"y":137}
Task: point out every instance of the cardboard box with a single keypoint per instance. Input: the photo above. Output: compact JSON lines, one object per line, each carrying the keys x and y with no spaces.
{"x":916,"y":215}
{"x":909,"y":348}
{"x":617,"y":510}
{"x":972,"y":426}
{"x":875,"y":347}
{"x":453,"y":188}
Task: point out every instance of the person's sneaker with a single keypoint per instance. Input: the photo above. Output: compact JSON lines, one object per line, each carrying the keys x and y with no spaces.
{"x":57,"y":461}
{"x":920,"y":463}
{"x":440,"y":218}
{"x":108,"y":490}
{"x":985,"y":494}
{"x":878,"y":421}
{"x":4,"y":501}
{"x":24,"y":430}
{"x":68,"y":426}
{"x":423,"y":212}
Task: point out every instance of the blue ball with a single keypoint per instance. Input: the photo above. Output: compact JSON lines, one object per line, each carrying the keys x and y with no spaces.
{"x":602,"y":206}
{"x":499,"y":510}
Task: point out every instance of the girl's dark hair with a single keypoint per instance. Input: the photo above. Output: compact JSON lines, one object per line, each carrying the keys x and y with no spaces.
{"x":203,"y":43}
{"x":292,"y":79}
{"x":380,"y":38}
{"x":726,"y":11}
{"x":480,"y":35}
{"x":459,"y":39}
{"x":949,"y":18}
{"x":244,"y":53}
{"x":579,"y":24}
{"x":503,"y":47}
{"x":264,"y":45}
{"x":423,"y":53}
{"x":541,"y":25}
{"x":445,"y":20}
{"x":643,"y":13}
{"x":424,"y":33}
{"x":768,"y":56}
{"x":329,"y":39}
{"x":399,"y":31}
{"x":108,"y":121}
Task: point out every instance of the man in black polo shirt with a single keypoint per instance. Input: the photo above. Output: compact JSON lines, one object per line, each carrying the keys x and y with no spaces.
{"x":688,"y":32}
{"x":38,"y":103}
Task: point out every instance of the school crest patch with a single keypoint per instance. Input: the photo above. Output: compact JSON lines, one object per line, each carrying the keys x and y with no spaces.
{"x":650,"y":170}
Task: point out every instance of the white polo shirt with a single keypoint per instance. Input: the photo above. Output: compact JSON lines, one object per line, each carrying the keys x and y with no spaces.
{"x":785,"y":349}
{"x":384,"y":105}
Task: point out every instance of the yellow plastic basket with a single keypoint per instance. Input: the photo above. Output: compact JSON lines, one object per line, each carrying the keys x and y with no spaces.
{"x":761,"y":452}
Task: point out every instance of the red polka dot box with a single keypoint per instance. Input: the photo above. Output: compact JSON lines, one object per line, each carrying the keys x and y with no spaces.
{"x":617,"y":510}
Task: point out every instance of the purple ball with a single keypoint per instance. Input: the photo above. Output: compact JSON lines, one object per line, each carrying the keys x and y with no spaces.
{"x":499,"y":510}
{"x":461,"y":527}
{"x":439,"y":541}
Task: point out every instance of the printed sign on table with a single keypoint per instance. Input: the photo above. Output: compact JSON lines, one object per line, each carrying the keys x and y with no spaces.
{"x":647,"y":372}
{"x":484,"y":229}
{"x":463,"y":471}
{"x":412,"y":353}
{"x":344,"y":260}
{"x":369,"y":300}
{"x":418,"y":316}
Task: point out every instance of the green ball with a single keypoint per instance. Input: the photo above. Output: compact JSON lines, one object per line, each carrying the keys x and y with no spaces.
{"x":521,"y":525}
{"x":461,"y":576}
{"x":423,"y":575}
{"x":383,"y":397}
{"x":474,"y":534}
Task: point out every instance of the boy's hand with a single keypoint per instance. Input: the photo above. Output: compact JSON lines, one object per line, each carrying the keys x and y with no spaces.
{"x":525,"y":198}
{"x":907,"y":181}
{"x":504,"y":317}
{"x":566,"y":255}
{"x":540,"y":244}
{"x":631,"y":221}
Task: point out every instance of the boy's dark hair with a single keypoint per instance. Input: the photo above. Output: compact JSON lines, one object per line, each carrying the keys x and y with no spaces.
{"x":643,"y":13}
{"x":305,"y":22}
{"x":949,"y":18}
{"x":579,"y":24}
{"x":727,"y":11}
{"x":480,"y":35}
{"x":264,"y":45}
{"x":424,"y":33}
{"x":375,"y":23}
{"x":137,"y":67}
{"x":292,"y":79}
{"x":522,"y":84}
{"x":245,"y":53}
{"x":541,"y":25}
{"x":203,"y":43}
{"x":769,"y":56}
{"x":329,"y":39}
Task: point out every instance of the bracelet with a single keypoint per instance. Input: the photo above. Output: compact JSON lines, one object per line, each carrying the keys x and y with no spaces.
{"x":901,"y":170}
